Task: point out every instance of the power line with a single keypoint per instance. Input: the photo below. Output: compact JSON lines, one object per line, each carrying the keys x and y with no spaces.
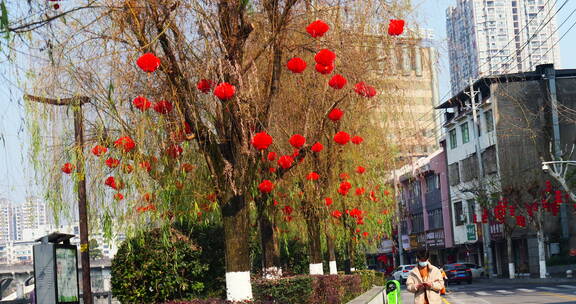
{"x":552,"y":47}
{"x":517,"y":35}
{"x":536,"y":33}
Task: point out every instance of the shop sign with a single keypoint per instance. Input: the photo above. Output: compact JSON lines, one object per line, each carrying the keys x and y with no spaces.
{"x":471,"y":232}
{"x":435,"y":238}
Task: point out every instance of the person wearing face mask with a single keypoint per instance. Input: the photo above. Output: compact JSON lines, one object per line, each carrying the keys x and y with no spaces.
{"x":425,"y":281}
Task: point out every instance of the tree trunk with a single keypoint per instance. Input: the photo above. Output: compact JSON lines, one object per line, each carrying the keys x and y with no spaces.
{"x":235,"y":219}
{"x":313,"y":225}
{"x":511,"y":269}
{"x":541,"y":253}
{"x":331,"y":254}
{"x":271,"y":268}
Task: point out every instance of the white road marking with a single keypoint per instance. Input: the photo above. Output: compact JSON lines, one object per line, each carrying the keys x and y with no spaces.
{"x":482,"y":293}
{"x":567,"y":286}
{"x":548,"y":288}
{"x":504,"y":291}
{"x":525,"y":290}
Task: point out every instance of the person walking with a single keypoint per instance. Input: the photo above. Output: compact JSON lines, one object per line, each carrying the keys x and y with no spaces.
{"x":445,"y":279}
{"x":425,"y":281}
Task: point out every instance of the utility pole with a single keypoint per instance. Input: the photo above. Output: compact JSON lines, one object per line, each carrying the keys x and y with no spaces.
{"x":551,"y":76}
{"x":485,"y":226}
{"x":76,"y":104}
{"x":400,"y":241}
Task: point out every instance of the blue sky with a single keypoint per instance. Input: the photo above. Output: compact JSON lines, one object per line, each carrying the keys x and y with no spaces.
{"x":16,"y":178}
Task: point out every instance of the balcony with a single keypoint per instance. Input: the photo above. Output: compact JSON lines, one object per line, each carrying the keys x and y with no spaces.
{"x":433,"y":199}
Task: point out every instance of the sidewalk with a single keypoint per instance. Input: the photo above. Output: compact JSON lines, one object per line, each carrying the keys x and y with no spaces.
{"x":553,"y":280}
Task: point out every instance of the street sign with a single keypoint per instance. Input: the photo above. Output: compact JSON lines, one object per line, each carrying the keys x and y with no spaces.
{"x":393,"y":292}
{"x":56,"y":270}
{"x":471,"y":232}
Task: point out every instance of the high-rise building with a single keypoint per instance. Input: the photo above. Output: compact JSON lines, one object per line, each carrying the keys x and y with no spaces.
{"x":408,"y":75}
{"x":488,"y":37}
{"x":32,"y":214}
{"x":5,"y":221}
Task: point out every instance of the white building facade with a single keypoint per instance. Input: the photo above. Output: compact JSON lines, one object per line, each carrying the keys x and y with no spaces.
{"x":488,"y":37}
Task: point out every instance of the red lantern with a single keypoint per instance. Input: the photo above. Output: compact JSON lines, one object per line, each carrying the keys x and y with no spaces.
{"x":67,"y":168}
{"x":357,"y":140}
{"x":296,"y":65}
{"x":261,"y":141}
{"x":365,"y":90}
{"x":325,"y":57}
{"x":521,"y":221}
{"x":317,"y":147}
{"x":395,"y":27}
{"x":342,"y":138}
{"x":297,"y":141}
{"x":317,"y":28}
{"x":337,"y":82}
{"x":548,"y":186}
{"x":558,"y":197}
{"x":324,"y":69}
{"x":163,"y":107}
{"x":313,"y":176}
{"x":112,"y":162}
{"x":225,"y":91}
{"x":335,"y":115}
{"x":148,"y":62}
{"x":141,"y":103}
{"x":266,"y":186}
{"x":204,"y":85}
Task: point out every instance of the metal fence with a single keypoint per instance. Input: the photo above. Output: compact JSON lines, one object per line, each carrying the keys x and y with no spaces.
{"x":99,"y":298}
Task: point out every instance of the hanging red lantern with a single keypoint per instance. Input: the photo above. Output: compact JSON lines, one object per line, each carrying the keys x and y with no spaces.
{"x":512,"y":210}
{"x":558,"y":197}
{"x":485,"y":216}
{"x":548,"y":186}
{"x":521,"y":221}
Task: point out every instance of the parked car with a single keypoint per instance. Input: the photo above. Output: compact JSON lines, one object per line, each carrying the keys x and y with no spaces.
{"x":401,"y":273}
{"x":477,"y":271}
{"x":458,"y":273}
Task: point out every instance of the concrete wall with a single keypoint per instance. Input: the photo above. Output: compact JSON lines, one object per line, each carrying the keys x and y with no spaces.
{"x":438,"y":165}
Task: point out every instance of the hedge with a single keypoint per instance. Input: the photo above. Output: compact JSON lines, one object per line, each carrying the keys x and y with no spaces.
{"x":303,"y":289}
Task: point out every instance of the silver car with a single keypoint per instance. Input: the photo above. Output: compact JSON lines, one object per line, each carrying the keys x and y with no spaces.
{"x":401,"y":273}
{"x":477,"y":271}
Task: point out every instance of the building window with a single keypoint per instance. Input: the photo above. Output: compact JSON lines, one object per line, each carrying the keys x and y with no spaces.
{"x":454,"y":174}
{"x":489,"y":119}
{"x":489,"y":160}
{"x":465,"y":133}
{"x":471,"y":211}
{"x":459,"y":214}
{"x":432,"y":182}
{"x":453,"y":139}
{"x":479,"y":126}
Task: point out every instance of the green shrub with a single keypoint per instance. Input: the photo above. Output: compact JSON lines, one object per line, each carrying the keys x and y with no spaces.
{"x":210,"y":238}
{"x":324,"y":289}
{"x":294,"y":290}
{"x":294,"y":257}
{"x":335,"y":289}
{"x":370,"y":278}
{"x":157,"y":266}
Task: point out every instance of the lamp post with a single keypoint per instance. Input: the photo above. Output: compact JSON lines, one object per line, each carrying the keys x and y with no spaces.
{"x":76,"y":103}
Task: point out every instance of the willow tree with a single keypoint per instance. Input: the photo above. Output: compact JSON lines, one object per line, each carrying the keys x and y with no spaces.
{"x":238,"y":44}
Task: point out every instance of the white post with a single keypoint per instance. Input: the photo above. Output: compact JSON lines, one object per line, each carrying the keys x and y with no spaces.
{"x":511,"y":268}
{"x":272,"y":273}
{"x":238,"y":286}
{"x":541,"y":253}
{"x":333,"y":268}
{"x":316,"y":269}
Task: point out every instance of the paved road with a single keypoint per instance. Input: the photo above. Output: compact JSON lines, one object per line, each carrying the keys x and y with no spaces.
{"x":509,"y":293}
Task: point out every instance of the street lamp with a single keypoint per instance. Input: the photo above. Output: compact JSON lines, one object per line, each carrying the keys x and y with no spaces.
{"x":546,"y":167}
